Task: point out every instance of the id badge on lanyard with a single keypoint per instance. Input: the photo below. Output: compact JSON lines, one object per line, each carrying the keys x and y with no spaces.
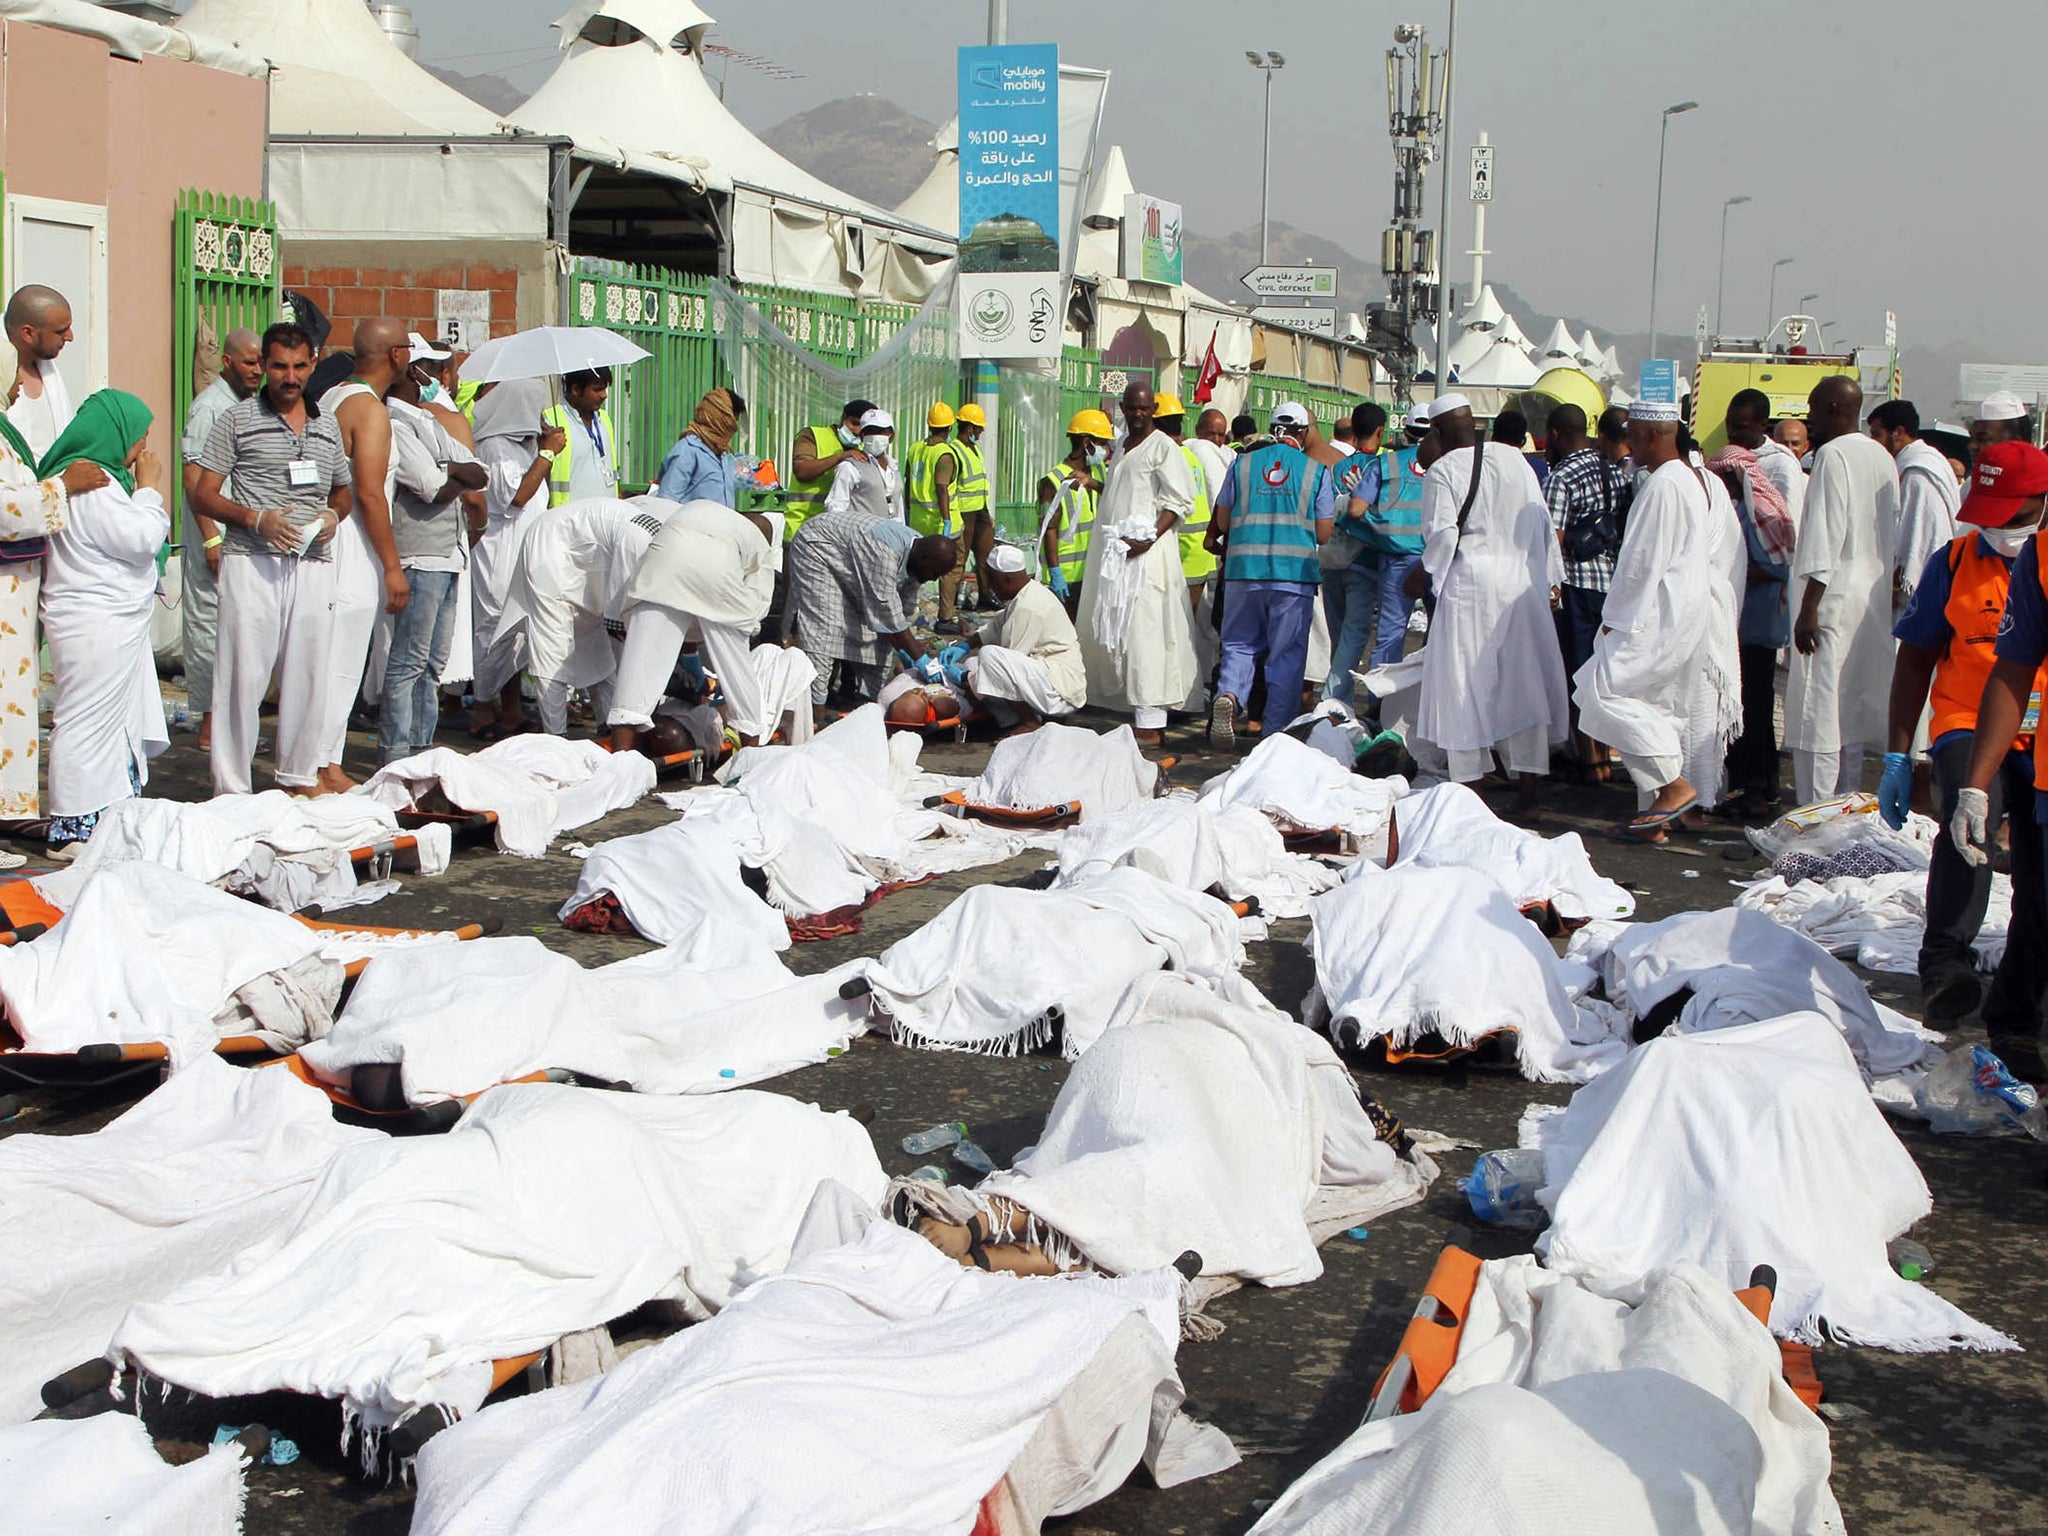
{"x":594,"y":430}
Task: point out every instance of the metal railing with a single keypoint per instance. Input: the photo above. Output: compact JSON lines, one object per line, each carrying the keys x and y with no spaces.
{"x":226,"y":274}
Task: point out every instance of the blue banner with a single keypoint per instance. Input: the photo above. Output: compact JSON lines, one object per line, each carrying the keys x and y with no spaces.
{"x":1657,"y":382}
{"x":1010,"y":156}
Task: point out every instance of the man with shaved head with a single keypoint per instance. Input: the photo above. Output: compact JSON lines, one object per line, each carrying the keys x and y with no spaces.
{"x":241,"y":375}
{"x":39,"y":327}
{"x":1136,"y":625}
{"x":1840,"y":683}
{"x":368,"y":577}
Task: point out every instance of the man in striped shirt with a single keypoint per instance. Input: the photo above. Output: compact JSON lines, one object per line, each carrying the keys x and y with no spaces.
{"x":277,"y":570}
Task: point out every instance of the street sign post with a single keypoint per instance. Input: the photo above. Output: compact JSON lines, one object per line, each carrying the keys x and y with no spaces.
{"x":1482,"y":173}
{"x":1315,"y":319}
{"x":1292,"y":282}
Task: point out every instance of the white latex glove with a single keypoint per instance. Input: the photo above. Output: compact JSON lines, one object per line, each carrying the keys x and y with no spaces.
{"x":1967,"y":830}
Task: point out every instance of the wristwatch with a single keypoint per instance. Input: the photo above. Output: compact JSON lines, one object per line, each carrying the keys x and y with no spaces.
{"x":546,"y":457}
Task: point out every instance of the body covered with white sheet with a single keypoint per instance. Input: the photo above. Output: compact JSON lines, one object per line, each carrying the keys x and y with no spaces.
{"x":1302,"y":789}
{"x":537,"y":786}
{"x":1066,"y":765}
{"x":1448,"y":826}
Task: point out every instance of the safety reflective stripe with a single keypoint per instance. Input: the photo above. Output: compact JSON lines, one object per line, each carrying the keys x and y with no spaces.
{"x":805,"y":498}
{"x":1196,"y":563}
{"x":1978,"y":583}
{"x":970,"y":485}
{"x":921,"y":485}
{"x":1283,"y":546}
{"x":558,"y":472}
{"x":1077,"y":522}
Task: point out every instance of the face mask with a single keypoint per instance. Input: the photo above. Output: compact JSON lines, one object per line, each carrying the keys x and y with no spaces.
{"x":874,"y":445}
{"x":430,"y":392}
{"x":970,"y":438}
{"x":848,"y":437}
{"x":1098,"y":456}
{"x":2009,"y":541}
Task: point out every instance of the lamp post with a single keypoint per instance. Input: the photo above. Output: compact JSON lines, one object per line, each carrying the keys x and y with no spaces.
{"x":1657,"y":235}
{"x":1269,"y":66}
{"x":1443,"y":212}
{"x":1721,"y":271}
{"x":1771,"y":317}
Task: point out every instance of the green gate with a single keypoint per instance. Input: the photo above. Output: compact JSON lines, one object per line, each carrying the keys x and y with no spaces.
{"x":668,"y":313}
{"x":226,"y":270}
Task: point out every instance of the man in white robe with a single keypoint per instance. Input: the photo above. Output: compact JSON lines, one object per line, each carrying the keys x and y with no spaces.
{"x":1493,"y":676}
{"x":1137,"y":627}
{"x":1025,"y":664}
{"x":1638,"y":691}
{"x":517,"y":449}
{"x":1929,"y":496}
{"x":1840,"y":684}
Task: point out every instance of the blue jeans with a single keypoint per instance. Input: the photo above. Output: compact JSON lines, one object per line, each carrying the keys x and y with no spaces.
{"x":420,"y":638}
{"x":1350,"y":601}
{"x":1272,"y":621}
{"x":1391,"y":637}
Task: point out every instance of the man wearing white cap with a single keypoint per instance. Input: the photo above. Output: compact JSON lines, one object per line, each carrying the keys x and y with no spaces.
{"x":1025,"y":664}
{"x":1638,"y":693}
{"x":1492,"y":676}
{"x":1840,"y":680}
{"x":867,"y":479}
{"x":1273,"y":513}
{"x":430,"y":472}
{"x":2001,"y":418}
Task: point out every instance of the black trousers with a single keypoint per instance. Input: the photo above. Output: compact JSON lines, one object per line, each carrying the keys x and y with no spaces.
{"x":1753,"y":756}
{"x":1957,"y":894}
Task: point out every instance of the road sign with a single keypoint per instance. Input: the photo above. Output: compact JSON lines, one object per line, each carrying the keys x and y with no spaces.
{"x":1891,"y":329}
{"x":1292,"y":282}
{"x":1658,"y":381}
{"x":1482,"y":173}
{"x":1315,"y":319}
{"x":1699,"y":326}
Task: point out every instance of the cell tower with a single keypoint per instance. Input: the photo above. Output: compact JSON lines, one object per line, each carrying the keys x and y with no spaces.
{"x":1416,"y":80}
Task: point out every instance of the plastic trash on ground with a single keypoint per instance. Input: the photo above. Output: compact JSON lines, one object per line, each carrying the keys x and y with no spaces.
{"x":1972,"y":1094}
{"x":1502,"y":1189}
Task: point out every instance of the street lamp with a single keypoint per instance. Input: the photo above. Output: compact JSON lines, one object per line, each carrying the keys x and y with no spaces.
{"x":1771,"y":318}
{"x":1806,"y":299}
{"x":1443,"y":211}
{"x":1721,"y":272}
{"x":1657,"y":235}
{"x":1270,"y":65}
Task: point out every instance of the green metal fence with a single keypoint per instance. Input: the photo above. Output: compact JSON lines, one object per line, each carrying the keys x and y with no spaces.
{"x":226,"y":274}
{"x":668,"y":313}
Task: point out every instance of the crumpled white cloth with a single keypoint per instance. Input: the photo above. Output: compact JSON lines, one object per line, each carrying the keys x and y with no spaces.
{"x":1410,"y":951}
{"x":1877,"y":920}
{"x":671,"y":880}
{"x":1582,"y":1410}
{"x":103,"y":1474}
{"x":875,"y":1386}
{"x":1198,"y":847}
{"x":1448,"y":826}
{"x":286,"y":851}
{"x":1741,"y":968}
{"x":985,"y":973}
{"x":673,"y":1020}
{"x":1064,"y":764}
{"x":209,"y":1163}
{"x":1304,"y":790}
{"x":146,"y":954}
{"x":1206,"y":1119}
{"x":540,"y":786}
{"x":419,"y":1261}
{"x":1756,"y":1144}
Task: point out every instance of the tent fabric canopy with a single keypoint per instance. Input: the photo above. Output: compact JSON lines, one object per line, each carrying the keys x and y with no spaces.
{"x":131,"y":37}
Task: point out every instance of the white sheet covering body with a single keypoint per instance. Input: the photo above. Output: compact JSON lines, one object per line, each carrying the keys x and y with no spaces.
{"x":209,"y":1164}
{"x":1757,"y":1144}
{"x":1197,"y":847}
{"x":145,"y":954}
{"x":1305,"y":790}
{"x":984,"y":974}
{"x":1205,"y":1119}
{"x":1447,"y":826}
{"x":547,"y":1209}
{"x":539,"y":786}
{"x":672,"y":1020}
{"x":876,"y":1386}
{"x":1409,"y":951}
{"x":672,"y":880}
{"x":1063,"y":765}
{"x":1576,"y":1410}
{"x":103,"y":1474}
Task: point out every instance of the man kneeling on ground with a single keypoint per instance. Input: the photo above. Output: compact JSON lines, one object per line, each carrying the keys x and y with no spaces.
{"x":1025,"y":665}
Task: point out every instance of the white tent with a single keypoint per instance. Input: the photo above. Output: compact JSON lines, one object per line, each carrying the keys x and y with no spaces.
{"x":936,"y":202}
{"x":132,"y":37}
{"x":1102,"y":218}
{"x":1509,"y":330}
{"x":1484,"y":312}
{"x":1504,"y":366}
{"x":1608,"y":366}
{"x":1559,"y":350}
{"x":1589,"y":351}
{"x":1467,"y":348}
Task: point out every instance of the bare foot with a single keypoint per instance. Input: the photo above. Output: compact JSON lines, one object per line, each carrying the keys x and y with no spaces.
{"x":206,"y":732}
{"x":335,"y":782}
{"x":312,"y":791}
{"x":1023,"y":728}
{"x":1149,"y":738}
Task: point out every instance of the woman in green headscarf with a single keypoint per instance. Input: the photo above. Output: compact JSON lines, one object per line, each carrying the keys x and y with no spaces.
{"x":99,"y":593}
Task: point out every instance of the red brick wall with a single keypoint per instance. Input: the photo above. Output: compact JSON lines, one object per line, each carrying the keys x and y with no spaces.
{"x":348,"y":294}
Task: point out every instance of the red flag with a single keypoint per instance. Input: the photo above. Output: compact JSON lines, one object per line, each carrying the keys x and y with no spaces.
{"x":1212,"y":370}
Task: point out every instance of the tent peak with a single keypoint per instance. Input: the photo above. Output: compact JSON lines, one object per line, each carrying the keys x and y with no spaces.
{"x":670,"y":25}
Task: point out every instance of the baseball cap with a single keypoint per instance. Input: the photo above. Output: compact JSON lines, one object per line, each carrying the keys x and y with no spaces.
{"x":878,"y":420}
{"x":1290,"y":414}
{"x":425,"y":351}
{"x":2007,"y":475}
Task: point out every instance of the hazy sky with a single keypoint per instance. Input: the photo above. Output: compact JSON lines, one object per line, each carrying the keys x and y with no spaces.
{"x":1886,"y":145}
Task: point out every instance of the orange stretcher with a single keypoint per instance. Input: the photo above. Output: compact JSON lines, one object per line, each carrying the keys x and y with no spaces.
{"x":1044,"y":818}
{"x":354,"y":968}
{"x":691,"y":761}
{"x":438,"y":1116}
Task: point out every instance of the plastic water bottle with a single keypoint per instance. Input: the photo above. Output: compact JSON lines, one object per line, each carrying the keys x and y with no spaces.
{"x":1910,"y":1259}
{"x":930,"y":1173}
{"x":971,"y":1157}
{"x":935,"y":1138}
{"x":1502,"y":1188}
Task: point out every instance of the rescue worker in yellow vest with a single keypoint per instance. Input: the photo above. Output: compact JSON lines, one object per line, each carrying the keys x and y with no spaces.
{"x":929,"y":472}
{"x":589,"y":465}
{"x":970,"y":503}
{"x":1959,"y":634}
{"x":1067,"y":497}
{"x":814,"y":456}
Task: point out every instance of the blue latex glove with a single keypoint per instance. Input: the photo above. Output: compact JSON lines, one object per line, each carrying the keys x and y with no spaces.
{"x":692,"y":667}
{"x":929,"y":669}
{"x":953,"y":655}
{"x":1057,"y":580}
{"x":1895,"y":789}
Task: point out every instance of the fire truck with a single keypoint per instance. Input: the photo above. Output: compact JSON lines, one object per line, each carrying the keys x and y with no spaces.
{"x":1785,"y":365}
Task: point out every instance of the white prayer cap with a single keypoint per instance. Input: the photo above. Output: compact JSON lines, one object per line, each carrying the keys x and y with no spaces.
{"x":1654,"y":411}
{"x":424,"y":351}
{"x":2002,"y":405}
{"x":1290,"y":413}
{"x":1445,"y":404}
{"x":1008,"y":559}
{"x":878,"y":420}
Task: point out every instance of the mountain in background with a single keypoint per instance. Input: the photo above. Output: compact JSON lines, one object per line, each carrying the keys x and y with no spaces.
{"x":866,"y":145}
{"x":493,"y":92}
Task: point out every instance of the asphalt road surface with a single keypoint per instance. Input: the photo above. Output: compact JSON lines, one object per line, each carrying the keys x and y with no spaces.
{"x":1925,"y":1445}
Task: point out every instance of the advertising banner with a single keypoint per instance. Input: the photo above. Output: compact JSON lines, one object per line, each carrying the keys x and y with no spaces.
{"x":1011,"y":285}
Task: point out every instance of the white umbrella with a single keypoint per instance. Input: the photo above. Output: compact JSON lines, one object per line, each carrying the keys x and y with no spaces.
{"x":548,"y":351}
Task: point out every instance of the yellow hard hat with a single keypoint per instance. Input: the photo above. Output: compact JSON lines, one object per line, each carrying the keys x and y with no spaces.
{"x":1167,"y":405}
{"x":970,"y":415}
{"x":1089,"y":424}
{"x":940,"y":415}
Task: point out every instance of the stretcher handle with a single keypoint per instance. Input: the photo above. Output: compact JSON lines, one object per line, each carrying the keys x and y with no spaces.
{"x":82,"y":1380}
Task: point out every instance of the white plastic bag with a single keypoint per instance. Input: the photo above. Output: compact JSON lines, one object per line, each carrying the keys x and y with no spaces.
{"x":1972,"y":1094}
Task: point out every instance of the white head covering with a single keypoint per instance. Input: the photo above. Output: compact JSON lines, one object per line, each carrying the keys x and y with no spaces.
{"x":1443,"y":405}
{"x":512,"y":409}
{"x":1418,"y":418}
{"x":878,"y":420}
{"x":2002,"y":405}
{"x":1008,"y":559}
{"x":1654,"y":410}
{"x":1290,"y":413}
{"x":424,"y":351}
